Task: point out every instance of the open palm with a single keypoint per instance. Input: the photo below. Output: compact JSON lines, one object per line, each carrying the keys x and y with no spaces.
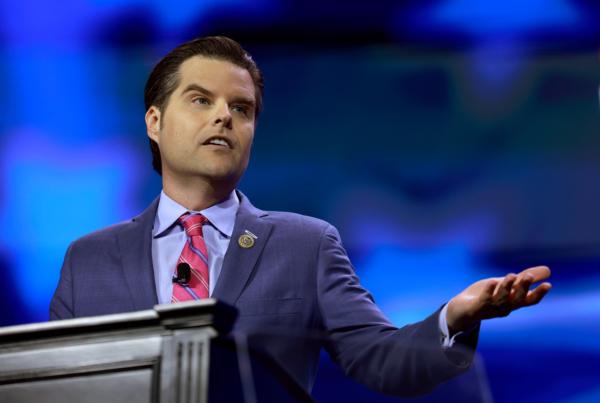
{"x":496,"y":297}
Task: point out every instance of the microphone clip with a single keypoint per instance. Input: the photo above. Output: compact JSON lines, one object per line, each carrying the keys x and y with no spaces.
{"x":183,"y":274}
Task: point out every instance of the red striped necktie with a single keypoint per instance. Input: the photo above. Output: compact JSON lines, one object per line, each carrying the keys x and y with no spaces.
{"x":195,"y":254}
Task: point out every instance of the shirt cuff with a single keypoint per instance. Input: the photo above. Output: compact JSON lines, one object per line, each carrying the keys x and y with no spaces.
{"x":447,"y":341}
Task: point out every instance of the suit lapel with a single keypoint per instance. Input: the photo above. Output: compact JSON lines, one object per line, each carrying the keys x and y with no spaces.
{"x":135,"y":244}
{"x":239,"y":262}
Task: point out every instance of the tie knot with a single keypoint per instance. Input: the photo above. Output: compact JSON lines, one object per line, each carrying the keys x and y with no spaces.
{"x":192,"y":223}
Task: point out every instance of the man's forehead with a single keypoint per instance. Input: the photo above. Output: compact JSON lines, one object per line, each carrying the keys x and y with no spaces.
{"x":214,"y":73}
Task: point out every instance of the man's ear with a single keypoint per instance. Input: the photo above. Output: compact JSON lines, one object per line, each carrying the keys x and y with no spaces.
{"x":153,"y":123}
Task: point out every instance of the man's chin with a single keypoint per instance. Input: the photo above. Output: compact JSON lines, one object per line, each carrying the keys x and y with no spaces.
{"x":216,"y":174}
{"x":223,"y":172}
{"x":226,"y":177}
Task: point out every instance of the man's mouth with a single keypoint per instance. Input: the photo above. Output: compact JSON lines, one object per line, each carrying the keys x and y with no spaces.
{"x":218,"y":141}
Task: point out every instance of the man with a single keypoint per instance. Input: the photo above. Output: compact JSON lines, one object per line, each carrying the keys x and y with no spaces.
{"x":278,"y":269}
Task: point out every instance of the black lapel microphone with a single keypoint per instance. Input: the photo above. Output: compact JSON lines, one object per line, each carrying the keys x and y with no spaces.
{"x":183,"y":274}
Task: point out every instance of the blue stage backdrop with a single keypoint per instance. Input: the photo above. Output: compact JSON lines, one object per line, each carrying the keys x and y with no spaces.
{"x":448,"y":140}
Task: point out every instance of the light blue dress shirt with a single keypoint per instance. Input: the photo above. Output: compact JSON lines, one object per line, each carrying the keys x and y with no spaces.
{"x":168,"y":239}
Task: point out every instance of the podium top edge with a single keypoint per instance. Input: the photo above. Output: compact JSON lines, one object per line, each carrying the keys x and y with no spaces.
{"x":180,"y":312}
{"x":90,"y":321}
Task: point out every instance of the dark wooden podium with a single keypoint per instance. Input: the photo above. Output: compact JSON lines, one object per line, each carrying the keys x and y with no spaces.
{"x":162,"y":355}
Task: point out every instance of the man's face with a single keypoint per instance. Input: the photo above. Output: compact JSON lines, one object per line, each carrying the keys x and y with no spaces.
{"x":206,"y":128}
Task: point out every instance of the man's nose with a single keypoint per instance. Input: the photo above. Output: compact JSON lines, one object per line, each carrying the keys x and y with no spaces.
{"x":222,"y":115}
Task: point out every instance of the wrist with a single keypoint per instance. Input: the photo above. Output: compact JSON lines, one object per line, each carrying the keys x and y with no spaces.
{"x":457,"y":319}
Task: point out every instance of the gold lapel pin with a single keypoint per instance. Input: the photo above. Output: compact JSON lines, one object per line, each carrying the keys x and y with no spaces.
{"x":246,"y":240}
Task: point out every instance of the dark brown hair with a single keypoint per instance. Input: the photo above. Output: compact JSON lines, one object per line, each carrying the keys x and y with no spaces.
{"x":164,"y":78}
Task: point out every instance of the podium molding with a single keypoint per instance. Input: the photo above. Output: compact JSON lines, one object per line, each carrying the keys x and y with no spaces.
{"x":158,"y":355}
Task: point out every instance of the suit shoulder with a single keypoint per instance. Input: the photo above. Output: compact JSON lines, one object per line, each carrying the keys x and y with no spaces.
{"x":103,"y":236}
{"x":299,"y":222}
{"x":107,"y":236}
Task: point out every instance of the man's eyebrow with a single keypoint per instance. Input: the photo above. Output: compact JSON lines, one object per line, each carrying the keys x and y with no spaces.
{"x":198,"y":88}
{"x":244,"y":101}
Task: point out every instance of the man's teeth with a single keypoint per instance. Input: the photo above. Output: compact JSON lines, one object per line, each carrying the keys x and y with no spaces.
{"x":218,"y":142}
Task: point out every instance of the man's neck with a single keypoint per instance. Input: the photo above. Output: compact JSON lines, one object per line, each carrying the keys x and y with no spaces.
{"x":196,"y":195}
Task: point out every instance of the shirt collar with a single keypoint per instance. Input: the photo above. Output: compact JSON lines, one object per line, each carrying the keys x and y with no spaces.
{"x":221,"y":215}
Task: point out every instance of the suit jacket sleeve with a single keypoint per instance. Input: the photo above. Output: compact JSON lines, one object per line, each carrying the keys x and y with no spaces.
{"x":406,"y":361}
{"x":61,"y":306}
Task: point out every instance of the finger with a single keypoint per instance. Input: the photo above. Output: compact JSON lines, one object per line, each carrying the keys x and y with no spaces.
{"x":539,"y":273}
{"x":503,"y":289}
{"x":520,"y":289}
{"x":534,"y":296}
{"x":489,"y":288}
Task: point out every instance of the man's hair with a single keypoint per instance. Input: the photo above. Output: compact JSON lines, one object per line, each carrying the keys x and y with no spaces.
{"x":164,"y":78}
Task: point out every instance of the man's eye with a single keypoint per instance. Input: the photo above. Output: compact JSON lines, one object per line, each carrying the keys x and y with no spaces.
{"x":240,"y":109}
{"x":201,"y":100}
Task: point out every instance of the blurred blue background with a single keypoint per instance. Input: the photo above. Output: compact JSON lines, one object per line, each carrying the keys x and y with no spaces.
{"x":448,"y":140}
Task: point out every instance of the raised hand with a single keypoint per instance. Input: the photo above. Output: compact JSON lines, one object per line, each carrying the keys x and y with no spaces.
{"x":496,"y":297}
